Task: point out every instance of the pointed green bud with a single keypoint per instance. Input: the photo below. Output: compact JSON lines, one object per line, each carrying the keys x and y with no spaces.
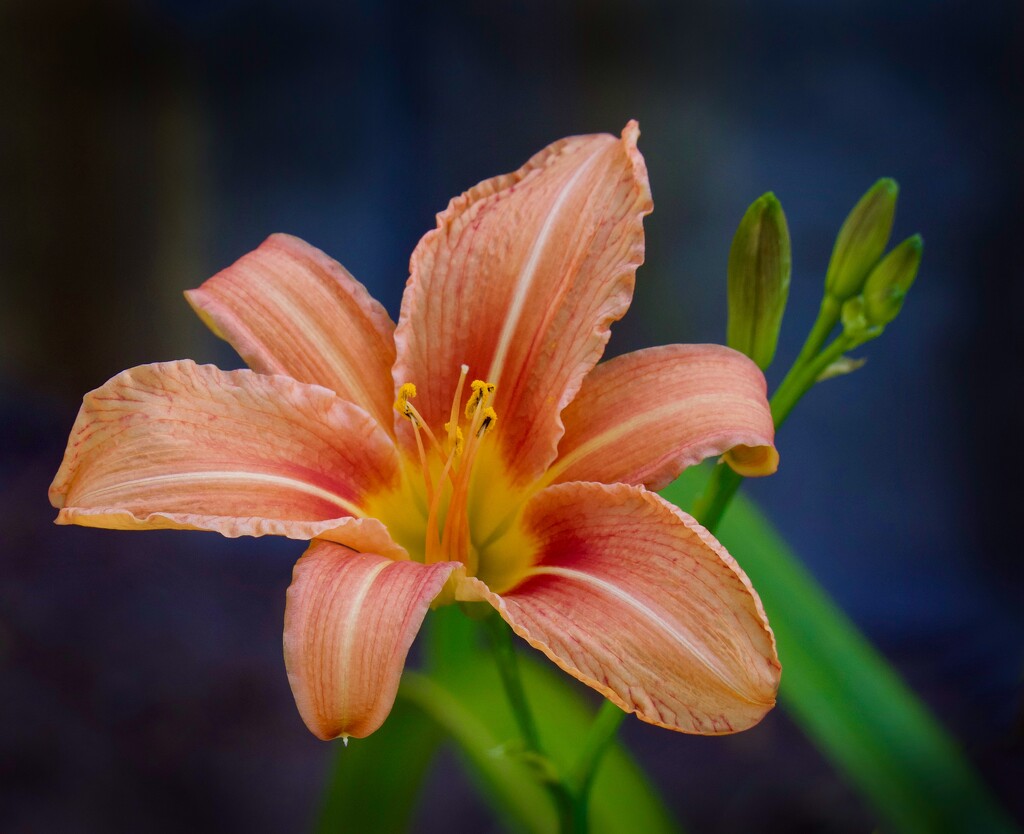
{"x":889,"y":281}
{"x":759,"y":268}
{"x":861,"y":240}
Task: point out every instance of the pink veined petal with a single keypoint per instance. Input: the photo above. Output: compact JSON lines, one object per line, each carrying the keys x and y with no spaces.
{"x":633,"y":597}
{"x":348,"y":624}
{"x":642,"y":418}
{"x":521,"y":280}
{"x":288,"y":308}
{"x":186,"y":446}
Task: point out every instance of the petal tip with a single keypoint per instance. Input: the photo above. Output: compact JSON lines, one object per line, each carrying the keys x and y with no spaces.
{"x":631,"y":132}
{"x":56,"y":494}
{"x":630,"y":136}
{"x":197,"y":300}
{"x":350,"y":619}
{"x":753,"y":461}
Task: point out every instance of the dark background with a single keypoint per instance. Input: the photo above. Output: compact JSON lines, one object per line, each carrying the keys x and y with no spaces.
{"x":144,"y":146}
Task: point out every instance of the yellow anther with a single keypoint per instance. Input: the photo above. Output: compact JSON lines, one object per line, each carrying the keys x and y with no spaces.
{"x":454,"y":438}
{"x":482,"y":392}
{"x":402,"y":405}
{"x":487,"y":420}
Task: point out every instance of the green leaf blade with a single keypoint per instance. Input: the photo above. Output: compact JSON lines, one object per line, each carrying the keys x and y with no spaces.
{"x":847,"y":697}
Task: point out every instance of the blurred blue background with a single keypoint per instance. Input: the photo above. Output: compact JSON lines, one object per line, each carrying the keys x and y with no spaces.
{"x":146,"y":145}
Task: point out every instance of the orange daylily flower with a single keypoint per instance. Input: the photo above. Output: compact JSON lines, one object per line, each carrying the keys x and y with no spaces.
{"x":472,"y":453}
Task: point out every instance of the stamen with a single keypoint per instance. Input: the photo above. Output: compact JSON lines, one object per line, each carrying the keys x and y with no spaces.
{"x":482,"y":392}
{"x":455,"y":537}
{"x":452,"y":426}
{"x":452,"y":540}
{"x":488,"y":418}
{"x":423,"y":461}
{"x":402,"y":405}
{"x":419,"y":423}
{"x":435,"y":545}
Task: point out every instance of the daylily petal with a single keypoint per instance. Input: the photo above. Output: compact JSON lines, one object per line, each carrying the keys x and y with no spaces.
{"x":288,"y":308}
{"x":752,"y":461}
{"x":521,"y":280}
{"x":182,"y":445}
{"x":642,"y":418}
{"x":633,"y":597}
{"x":348,"y":624}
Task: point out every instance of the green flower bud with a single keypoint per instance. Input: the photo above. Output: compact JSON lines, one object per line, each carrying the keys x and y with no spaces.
{"x":759,"y":268}
{"x":861,"y":240}
{"x":889,"y":281}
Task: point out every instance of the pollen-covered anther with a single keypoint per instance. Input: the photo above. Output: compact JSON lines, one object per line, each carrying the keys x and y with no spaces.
{"x":483,"y":392}
{"x":402,"y":404}
{"x":487,"y":420}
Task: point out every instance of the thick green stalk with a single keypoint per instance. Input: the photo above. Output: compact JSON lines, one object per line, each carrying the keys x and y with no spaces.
{"x":504,"y":652}
{"x":828,"y":318}
{"x":602,"y":733}
{"x":802,"y":376}
{"x":599,"y":738}
{"x":721,"y":488}
{"x":508,"y":667}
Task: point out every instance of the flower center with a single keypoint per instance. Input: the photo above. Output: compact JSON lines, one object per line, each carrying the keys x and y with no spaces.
{"x":446,"y":466}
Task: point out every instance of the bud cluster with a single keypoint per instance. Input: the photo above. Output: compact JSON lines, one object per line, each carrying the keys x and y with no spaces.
{"x":864,"y":286}
{"x":871,"y":286}
{"x":864,"y":292}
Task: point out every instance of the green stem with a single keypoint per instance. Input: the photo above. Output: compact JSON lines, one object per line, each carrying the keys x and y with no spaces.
{"x":504,"y":652}
{"x":828,"y":318}
{"x":599,"y":738}
{"x":508,"y":667}
{"x":722,"y":486}
{"x":801,"y":378}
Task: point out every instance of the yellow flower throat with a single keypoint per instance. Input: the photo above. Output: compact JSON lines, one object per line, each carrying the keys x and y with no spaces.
{"x":446,"y":489}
